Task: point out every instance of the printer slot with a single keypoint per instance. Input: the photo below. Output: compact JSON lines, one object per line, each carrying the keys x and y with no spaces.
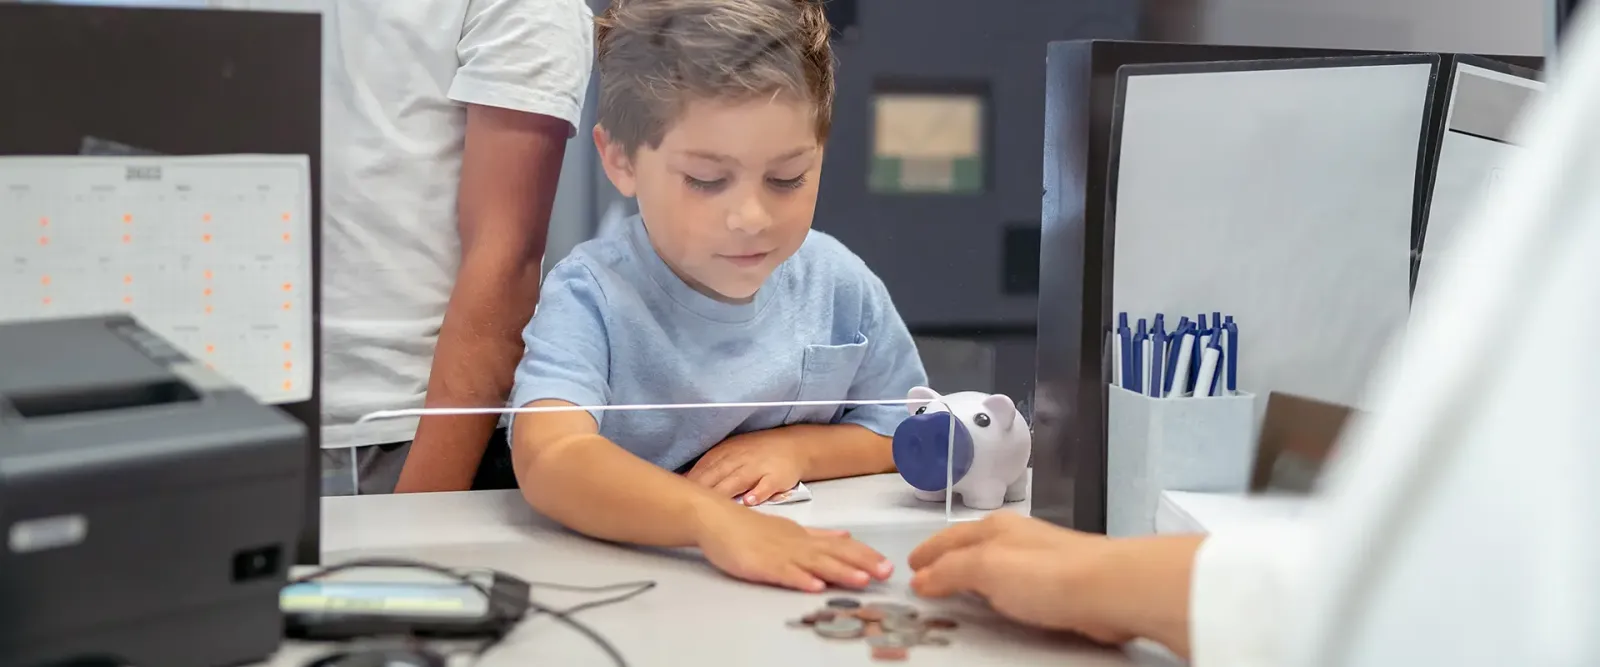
{"x":96,"y":399}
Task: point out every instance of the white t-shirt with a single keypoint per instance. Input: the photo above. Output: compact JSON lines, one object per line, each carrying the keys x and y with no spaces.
{"x":398,"y":77}
{"x":1460,"y":525}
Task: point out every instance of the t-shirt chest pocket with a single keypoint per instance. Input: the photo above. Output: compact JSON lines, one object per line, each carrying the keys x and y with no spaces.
{"x":826,"y":373}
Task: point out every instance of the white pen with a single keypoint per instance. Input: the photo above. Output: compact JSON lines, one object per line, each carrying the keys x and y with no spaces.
{"x":1208,"y":370}
{"x":1116,"y":359}
{"x":1180,"y":379}
{"x":1144,"y":363}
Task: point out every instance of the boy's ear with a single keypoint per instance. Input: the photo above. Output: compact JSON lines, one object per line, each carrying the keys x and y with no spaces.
{"x":615,"y":161}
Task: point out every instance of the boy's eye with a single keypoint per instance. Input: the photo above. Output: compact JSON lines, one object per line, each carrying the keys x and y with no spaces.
{"x":788,"y":183}
{"x":704,"y":186}
{"x":922,"y":409}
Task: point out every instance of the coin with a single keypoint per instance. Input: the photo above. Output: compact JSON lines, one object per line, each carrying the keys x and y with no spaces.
{"x":873,"y":630}
{"x":895,"y":609}
{"x":844,"y":627}
{"x":941,"y":623}
{"x":892,"y":639}
{"x":901,"y":625}
{"x":870,"y":614}
{"x":934,"y":640}
{"x":844,"y":603}
{"x":889,"y":653}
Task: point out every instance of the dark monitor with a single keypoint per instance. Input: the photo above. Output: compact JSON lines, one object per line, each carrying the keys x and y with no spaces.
{"x":103,"y":79}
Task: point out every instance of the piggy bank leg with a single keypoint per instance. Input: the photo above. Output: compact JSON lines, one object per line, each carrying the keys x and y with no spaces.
{"x":984,"y":496}
{"x":1018,"y":491}
{"x":929,"y":496}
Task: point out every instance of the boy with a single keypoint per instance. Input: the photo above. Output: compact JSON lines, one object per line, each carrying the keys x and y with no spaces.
{"x":712,"y":114}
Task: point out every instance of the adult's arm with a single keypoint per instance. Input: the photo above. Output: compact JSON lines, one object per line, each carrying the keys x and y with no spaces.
{"x":524,"y":70}
{"x":509,"y":173}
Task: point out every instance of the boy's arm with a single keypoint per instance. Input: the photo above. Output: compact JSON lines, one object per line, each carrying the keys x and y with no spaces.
{"x":587,"y":483}
{"x":565,"y":468}
{"x":524,"y":70}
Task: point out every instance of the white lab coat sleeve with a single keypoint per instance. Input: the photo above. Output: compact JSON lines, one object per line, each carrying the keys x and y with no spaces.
{"x":1243,"y":592}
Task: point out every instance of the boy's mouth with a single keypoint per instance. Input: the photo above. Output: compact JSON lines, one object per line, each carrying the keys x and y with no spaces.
{"x":746,"y":260}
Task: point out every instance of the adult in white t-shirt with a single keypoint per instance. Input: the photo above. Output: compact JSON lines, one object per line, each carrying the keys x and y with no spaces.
{"x":1460,"y":525}
{"x":445,"y":124}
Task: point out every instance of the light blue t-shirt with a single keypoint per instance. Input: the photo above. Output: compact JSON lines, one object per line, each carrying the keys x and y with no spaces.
{"x":616,"y":326}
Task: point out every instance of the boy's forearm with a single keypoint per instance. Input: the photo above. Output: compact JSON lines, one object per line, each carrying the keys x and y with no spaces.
{"x":593,"y":486}
{"x":832,"y":451}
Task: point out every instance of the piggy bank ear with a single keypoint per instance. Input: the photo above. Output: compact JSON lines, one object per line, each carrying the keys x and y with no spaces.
{"x":920,"y":397}
{"x":1000,"y":409}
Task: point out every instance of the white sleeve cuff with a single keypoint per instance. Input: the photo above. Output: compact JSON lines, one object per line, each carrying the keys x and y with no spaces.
{"x":1243,"y":589}
{"x":468,"y":90}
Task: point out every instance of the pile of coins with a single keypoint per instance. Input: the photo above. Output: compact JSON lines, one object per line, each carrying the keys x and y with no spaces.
{"x":891,"y":629}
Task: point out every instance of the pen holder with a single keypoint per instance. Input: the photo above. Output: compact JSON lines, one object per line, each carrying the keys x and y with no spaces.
{"x":1172,"y":444}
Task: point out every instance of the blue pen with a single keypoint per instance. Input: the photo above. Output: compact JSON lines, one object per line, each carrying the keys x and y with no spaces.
{"x":1232,"y":354}
{"x":1141,"y":336}
{"x":1158,"y":366}
{"x":1185,"y":327}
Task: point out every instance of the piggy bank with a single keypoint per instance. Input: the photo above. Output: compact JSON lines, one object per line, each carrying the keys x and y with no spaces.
{"x":987,"y":465}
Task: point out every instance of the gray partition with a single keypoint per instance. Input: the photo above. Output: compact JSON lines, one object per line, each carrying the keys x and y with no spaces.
{"x":1281,"y":193}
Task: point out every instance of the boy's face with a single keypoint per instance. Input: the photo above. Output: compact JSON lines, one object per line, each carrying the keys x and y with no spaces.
{"x":730,"y":192}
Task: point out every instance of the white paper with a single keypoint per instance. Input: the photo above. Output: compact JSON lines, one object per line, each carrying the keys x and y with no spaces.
{"x":213,"y":253}
{"x":1469,"y":169}
{"x":798,"y":494}
{"x":1283,"y":198}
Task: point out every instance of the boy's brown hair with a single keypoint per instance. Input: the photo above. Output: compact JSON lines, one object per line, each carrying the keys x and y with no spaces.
{"x":654,"y":56}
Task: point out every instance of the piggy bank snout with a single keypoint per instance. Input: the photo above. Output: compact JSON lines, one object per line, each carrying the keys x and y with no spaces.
{"x":924,"y":453}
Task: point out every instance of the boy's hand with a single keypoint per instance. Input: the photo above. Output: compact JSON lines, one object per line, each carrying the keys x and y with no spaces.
{"x":773,"y":550}
{"x":759,"y":465}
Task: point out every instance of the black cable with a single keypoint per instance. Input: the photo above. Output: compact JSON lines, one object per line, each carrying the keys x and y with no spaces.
{"x":562,"y":615}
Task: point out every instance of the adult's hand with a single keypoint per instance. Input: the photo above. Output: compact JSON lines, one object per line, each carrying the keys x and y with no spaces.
{"x":1028,"y":570}
{"x":1110,"y":590}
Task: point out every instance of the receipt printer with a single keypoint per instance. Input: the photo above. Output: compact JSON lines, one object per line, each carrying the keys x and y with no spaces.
{"x":148,"y":508}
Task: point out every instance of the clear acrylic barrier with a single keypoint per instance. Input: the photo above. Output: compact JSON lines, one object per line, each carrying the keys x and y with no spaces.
{"x":931,"y":450}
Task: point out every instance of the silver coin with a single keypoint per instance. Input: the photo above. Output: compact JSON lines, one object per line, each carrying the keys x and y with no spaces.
{"x":895,"y":609}
{"x":901,"y":625}
{"x":843,"y":627}
{"x":934,"y":640}
{"x":892,"y":640}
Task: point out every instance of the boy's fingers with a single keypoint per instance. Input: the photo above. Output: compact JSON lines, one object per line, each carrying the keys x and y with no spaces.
{"x":954,"y":572}
{"x":828,"y":532}
{"x":958,"y":536}
{"x":764,"y":490}
{"x":791,"y":575}
{"x":735,"y":483}
{"x":860,"y":556}
{"x":833,"y":570}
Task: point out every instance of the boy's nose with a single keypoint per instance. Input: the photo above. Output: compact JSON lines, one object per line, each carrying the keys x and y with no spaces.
{"x":750,"y":216}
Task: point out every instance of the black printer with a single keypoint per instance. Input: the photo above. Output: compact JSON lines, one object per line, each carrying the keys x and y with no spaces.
{"x":149,"y":509}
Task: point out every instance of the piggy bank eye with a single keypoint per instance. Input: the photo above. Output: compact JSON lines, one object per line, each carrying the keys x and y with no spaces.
{"x":922,"y":409}
{"x":982,"y":420}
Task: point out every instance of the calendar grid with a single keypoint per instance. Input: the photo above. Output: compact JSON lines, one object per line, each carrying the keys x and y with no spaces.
{"x":213,"y":253}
